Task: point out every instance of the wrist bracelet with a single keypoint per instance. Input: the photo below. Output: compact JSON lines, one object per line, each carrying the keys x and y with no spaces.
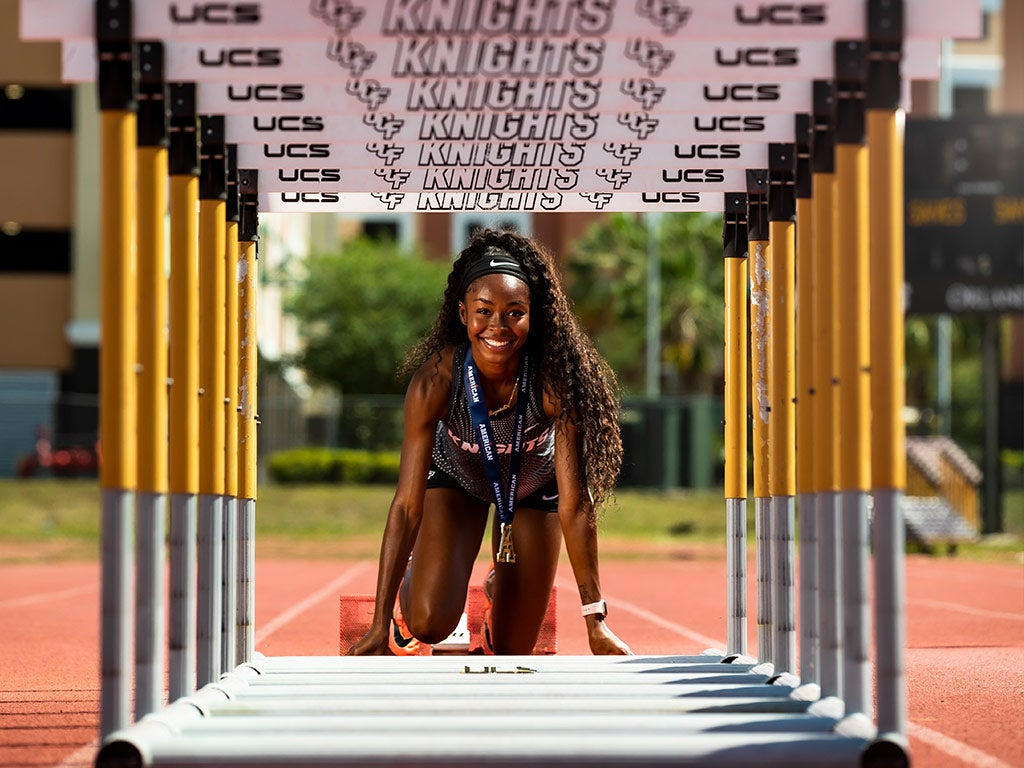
{"x":600,"y":607}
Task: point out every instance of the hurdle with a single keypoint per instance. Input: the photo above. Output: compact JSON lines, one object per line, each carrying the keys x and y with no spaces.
{"x":796,"y":239}
{"x":823,"y":407}
{"x":151,"y":498}
{"x":184,"y":377}
{"x":734,"y":248}
{"x":806,"y":461}
{"x":118,"y":392}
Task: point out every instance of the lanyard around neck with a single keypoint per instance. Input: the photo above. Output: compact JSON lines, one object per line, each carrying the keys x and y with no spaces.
{"x":504,"y":497}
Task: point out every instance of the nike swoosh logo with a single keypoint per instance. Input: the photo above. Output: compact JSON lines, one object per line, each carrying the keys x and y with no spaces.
{"x":503,"y":263}
{"x":548,"y":498}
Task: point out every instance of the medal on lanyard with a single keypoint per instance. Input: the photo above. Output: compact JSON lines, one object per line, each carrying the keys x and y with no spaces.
{"x":504,"y":497}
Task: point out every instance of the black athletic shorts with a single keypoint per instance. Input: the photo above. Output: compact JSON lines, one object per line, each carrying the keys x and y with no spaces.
{"x":545,"y":498}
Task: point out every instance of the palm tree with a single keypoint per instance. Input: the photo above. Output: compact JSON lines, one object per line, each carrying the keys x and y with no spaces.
{"x":607,"y":272}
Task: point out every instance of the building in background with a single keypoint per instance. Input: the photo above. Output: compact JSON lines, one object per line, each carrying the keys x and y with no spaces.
{"x":49,"y":236}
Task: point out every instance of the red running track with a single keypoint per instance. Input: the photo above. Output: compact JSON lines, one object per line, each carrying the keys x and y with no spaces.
{"x":965,"y":656}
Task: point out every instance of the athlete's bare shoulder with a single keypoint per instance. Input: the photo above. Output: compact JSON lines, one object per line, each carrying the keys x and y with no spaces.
{"x":431,"y":384}
{"x":436,"y":370}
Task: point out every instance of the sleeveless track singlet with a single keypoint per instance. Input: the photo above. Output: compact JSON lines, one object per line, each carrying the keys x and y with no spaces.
{"x":457,"y":454}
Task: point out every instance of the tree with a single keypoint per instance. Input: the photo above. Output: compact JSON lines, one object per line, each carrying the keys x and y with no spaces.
{"x":607,"y":276}
{"x":359,"y":311}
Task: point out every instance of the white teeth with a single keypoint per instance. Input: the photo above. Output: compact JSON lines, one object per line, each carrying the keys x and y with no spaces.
{"x":496,"y":344}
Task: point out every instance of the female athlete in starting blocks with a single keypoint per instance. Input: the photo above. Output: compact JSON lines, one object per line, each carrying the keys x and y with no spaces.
{"x":509,"y":404}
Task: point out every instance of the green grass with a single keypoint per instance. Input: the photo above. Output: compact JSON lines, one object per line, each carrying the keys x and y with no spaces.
{"x":60,"y":519}
{"x":66,"y":513}
{"x":318,"y":511}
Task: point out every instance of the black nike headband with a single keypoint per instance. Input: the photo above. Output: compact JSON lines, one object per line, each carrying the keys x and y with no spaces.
{"x":495,"y":261}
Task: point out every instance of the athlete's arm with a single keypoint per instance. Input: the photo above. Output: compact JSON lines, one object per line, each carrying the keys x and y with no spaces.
{"x":426,"y":401}
{"x":579,"y":528}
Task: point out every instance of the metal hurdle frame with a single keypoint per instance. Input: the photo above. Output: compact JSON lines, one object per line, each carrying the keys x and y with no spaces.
{"x":160,"y":414}
{"x":798,"y":254}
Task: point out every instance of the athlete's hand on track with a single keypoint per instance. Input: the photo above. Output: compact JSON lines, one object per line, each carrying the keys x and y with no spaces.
{"x":604,"y":642}
{"x":371,"y":644}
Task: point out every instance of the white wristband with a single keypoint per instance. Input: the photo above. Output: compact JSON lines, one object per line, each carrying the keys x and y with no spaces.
{"x":600,"y":607}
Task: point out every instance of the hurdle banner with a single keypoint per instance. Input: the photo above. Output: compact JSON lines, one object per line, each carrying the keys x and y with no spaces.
{"x":579,"y":77}
{"x":330,"y":183}
{"x":837,"y":154}
{"x":321,"y":19}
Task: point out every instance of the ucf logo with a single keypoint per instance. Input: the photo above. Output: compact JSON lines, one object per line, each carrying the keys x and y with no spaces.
{"x":643,"y":90}
{"x":351,"y":55}
{"x":649,"y":54}
{"x":386,"y":124}
{"x":639,"y":123}
{"x":625,"y":153}
{"x":389,"y":153}
{"x":598,"y":199}
{"x":342,"y":15}
{"x":391,"y":199}
{"x":614,"y":176}
{"x":392,"y":176}
{"x":668,"y":15}
{"x":368,"y":91}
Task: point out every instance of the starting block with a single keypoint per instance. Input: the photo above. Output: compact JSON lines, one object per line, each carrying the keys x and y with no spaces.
{"x":355,"y":612}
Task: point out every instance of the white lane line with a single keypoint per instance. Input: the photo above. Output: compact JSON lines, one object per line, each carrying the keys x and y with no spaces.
{"x":940,"y":741}
{"x":46,"y":597}
{"x":82,"y":758}
{"x":654,"y":618}
{"x":330,"y":590}
{"x":956,"y":607}
{"x":953,"y":748}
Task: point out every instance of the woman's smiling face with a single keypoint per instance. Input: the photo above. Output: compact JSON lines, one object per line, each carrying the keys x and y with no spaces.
{"x":496,"y":313}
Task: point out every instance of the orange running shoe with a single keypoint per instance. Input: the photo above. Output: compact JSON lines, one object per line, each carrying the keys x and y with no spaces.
{"x":485,"y":628}
{"x":401,"y":641}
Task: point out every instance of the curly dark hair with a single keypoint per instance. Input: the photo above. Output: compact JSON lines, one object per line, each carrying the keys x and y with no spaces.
{"x":570,"y":367}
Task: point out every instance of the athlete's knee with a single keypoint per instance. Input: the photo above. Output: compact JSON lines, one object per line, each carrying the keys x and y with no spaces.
{"x":512,"y":646}
{"x":431,"y":625}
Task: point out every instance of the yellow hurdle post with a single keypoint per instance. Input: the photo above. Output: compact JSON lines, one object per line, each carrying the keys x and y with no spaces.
{"x":734,"y":237}
{"x":151,"y":498}
{"x":805,"y":447}
{"x":245,"y":277}
{"x":183,"y":433}
{"x":885,"y":122}
{"x":781,"y":393}
{"x":853,"y":301}
{"x":118,"y":295}
{"x":212,"y":204}
{"x":826,"y":505}
{"x":760,"y":363}
{"x":230,"y":534}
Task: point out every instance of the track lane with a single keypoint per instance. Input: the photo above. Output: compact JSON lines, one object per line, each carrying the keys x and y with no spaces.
{"x":965,"y":655}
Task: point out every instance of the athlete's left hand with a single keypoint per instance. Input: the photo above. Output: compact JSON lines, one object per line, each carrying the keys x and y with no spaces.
{"x":603,"y":641}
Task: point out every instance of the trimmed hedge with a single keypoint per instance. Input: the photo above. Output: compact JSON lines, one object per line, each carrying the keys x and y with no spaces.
{"x":333,"y":465}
